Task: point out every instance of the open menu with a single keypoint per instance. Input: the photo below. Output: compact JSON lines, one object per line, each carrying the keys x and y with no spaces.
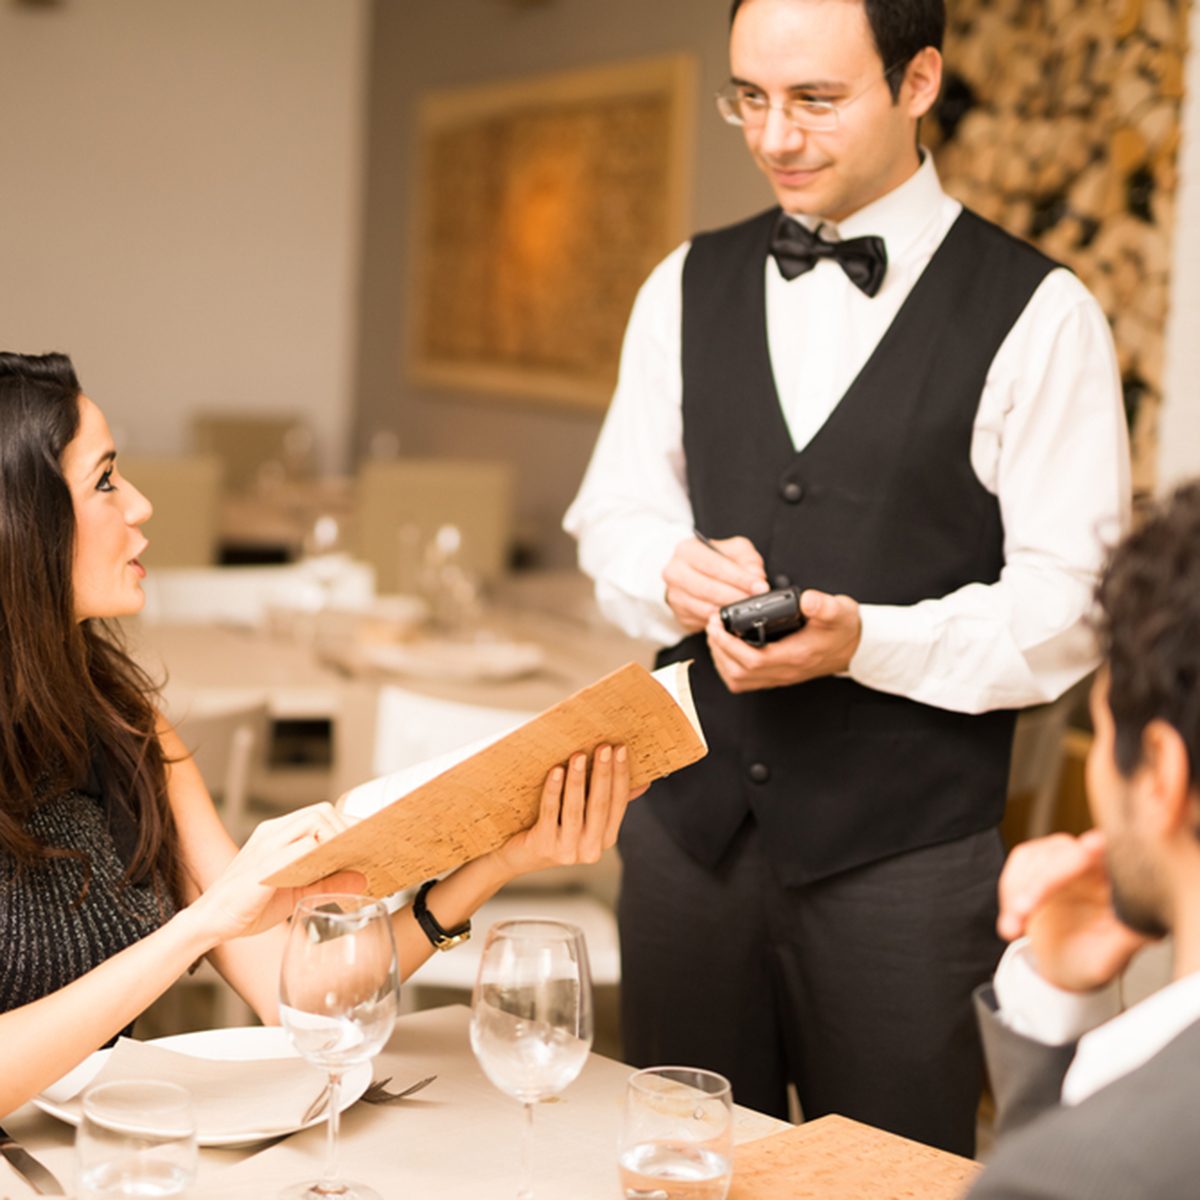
{"x":420,"y":822}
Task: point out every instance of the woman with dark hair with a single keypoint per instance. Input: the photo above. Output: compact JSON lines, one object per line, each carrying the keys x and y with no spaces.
{"x":116,"y":874}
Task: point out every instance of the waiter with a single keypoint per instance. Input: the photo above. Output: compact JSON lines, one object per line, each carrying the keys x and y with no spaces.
{"x":874,"y":394}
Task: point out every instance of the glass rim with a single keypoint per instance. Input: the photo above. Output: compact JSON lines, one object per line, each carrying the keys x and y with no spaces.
{"x":511,"y":928}
{"x":144,"y":1087}
{"x":157,"y":1108}
{"x":312,"y":904}
{"x":636,"y":1079}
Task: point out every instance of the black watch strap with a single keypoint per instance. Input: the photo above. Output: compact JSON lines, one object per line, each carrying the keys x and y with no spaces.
{"x":440,"y":939}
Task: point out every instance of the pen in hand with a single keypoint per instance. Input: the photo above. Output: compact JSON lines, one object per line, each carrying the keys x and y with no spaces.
{"x":707,"y":541}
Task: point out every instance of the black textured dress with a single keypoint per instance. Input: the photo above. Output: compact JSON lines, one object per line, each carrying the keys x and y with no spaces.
{"x":48,"y":938}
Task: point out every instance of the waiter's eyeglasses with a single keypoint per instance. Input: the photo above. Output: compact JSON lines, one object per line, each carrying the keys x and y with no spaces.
{"x":744,"y":104}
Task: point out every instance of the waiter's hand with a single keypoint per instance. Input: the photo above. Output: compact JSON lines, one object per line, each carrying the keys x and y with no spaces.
{"x":1056,"y":889}
{"x":824,"y":646}
{"x":700,"y":580}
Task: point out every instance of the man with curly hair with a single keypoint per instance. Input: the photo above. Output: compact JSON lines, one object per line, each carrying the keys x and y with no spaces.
{"x":1104,"y":1099}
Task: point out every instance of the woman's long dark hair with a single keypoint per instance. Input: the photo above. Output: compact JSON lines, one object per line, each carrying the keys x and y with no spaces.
{"x":72,"y":702}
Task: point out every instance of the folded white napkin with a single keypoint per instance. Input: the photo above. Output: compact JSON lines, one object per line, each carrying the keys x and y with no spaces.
{"x":260,"y":1096}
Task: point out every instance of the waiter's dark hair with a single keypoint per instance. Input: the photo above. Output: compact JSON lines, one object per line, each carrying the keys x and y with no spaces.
{"x":73,"y":704}
{"x":901,"y":29}
{"x":1149,"y":629}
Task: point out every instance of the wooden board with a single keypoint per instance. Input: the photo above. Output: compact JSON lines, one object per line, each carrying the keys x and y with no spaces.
{"x":476,"y":805}
{"x":834,"y":1158}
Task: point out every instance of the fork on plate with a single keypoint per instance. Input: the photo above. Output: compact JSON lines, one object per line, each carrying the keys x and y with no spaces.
{"x":377,"y":1093}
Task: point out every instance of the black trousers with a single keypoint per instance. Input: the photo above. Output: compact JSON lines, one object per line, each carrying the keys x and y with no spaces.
{"x":856,"y":989}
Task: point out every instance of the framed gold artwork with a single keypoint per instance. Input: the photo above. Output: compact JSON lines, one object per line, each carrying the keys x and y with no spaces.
{"x":542,"y":204}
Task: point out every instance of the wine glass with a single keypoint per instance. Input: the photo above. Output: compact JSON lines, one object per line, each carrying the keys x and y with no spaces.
{"x":338,"y":990}
{"x":136,"y":1137}
{"x":531,"y":1016}
{"x":325,"y":555}
{"x":676,"y":1135}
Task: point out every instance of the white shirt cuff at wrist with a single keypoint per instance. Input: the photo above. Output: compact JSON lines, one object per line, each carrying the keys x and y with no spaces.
{"x":1033,"y":1007}
{"x":894,"y":645}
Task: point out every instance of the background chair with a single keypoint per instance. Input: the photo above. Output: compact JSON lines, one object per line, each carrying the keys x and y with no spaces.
{"x":226,"y":745}
{"x":186,"y":493}
{"x":1037,"y":764}
{"x":411,"y":728}
{"x":246,"y":442}
{"x":400,"y":505}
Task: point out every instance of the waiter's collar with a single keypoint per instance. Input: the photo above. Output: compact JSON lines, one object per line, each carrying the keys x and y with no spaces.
{"x":899,"y":217}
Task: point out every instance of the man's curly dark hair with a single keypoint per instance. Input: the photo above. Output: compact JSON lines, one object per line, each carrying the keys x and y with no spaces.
{"x":1149,"y":628}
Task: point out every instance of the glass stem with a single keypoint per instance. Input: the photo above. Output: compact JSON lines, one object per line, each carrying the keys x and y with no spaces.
{"x":329,"y":1177}
{"x":526,"y":1191}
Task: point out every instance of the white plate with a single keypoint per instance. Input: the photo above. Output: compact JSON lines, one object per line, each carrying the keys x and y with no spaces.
{"x":233,"y":1045}
{"x":449,"y":660}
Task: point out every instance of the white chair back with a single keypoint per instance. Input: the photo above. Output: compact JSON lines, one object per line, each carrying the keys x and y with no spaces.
{"x":410,"y":729}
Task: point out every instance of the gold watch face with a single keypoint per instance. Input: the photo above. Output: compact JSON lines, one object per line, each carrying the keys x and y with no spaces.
{"x":452,"y":940}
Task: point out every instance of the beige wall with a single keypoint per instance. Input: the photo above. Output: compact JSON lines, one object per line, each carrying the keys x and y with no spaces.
{"x":422,"y":46}
{"x":180,"y":204}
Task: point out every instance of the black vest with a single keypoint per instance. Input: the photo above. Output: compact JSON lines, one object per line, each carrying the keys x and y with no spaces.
{"x":882,"y":505}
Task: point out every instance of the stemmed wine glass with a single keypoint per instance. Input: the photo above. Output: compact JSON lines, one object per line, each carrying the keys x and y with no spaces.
{"x":531,"y":1016}
{"x":338,"y":990}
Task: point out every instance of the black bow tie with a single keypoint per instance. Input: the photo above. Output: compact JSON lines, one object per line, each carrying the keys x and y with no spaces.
{"x":796,"y":250}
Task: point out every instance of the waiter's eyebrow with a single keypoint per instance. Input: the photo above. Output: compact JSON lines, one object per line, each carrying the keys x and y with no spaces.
{"x":814,"y":85}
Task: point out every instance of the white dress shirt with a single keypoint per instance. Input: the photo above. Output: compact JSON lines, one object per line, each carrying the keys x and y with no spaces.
{"x":1049,"y":441}
{"x":1111,"y":1043}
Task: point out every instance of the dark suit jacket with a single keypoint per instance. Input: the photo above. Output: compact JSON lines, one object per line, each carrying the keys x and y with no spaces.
{"x":1138,"y":1137}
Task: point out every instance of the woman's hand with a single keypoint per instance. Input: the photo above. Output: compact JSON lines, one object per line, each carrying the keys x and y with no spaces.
{"x":577,"y":821}
{"x":238,"y":904}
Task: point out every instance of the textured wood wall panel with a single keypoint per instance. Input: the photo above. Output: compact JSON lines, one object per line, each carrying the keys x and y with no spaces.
{"x":1060,"y":120}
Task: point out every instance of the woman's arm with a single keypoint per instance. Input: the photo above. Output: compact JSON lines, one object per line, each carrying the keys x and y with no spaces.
{"x":576,"y":823}
{"x":41,"y":1041}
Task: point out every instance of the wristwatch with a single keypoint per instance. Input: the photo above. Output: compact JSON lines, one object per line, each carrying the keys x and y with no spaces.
{"x":440,"y":939}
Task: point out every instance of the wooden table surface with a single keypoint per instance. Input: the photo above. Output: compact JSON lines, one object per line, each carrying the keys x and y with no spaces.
{"x":834,"y":1158}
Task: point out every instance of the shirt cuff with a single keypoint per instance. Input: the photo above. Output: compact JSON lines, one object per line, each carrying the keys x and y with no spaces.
{"x":893,"y":648}
{"x":1033,"y":1007}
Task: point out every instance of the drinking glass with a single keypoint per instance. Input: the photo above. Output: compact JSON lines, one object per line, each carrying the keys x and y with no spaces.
{"x":531,"y":1016}
{"x":676,"y":1135}
{"x":338,"y":990}
{"x":136,"y":1137}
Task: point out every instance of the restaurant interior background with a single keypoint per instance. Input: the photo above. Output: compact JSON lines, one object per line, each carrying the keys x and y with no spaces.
{"x":215,"y":206}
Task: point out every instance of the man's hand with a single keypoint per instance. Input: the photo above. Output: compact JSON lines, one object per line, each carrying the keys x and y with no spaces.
{"x":824,"y":646}
{"x":1056,"y":889}
{"x":701,"y":580}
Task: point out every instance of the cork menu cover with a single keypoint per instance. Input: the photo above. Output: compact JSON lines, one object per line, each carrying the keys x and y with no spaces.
{"x":406,"y":835}
{"x":834,"y":1158}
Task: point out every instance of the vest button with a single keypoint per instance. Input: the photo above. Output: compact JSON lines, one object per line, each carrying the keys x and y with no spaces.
{"x":782,"y":581}
{"x":759,"y":772}
{"x":792,"y":492}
